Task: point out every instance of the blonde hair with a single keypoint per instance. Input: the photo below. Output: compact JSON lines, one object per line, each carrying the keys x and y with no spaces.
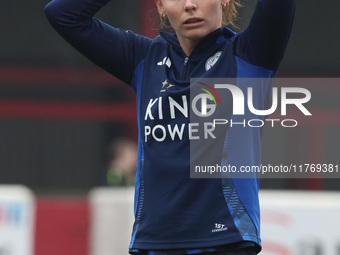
{"x":229,"y":15}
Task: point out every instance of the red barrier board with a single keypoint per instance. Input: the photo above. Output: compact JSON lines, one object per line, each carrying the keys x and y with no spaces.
{"x":62,"y":226}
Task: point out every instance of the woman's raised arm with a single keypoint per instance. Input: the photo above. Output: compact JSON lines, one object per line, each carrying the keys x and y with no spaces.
{"x":264,"y":42}
{"x":117,"y":51}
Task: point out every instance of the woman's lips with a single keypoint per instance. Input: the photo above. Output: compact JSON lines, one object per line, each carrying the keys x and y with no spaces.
{"x":192,"y":22}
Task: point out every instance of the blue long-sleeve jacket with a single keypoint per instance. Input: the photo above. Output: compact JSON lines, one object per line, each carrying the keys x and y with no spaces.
{"x":172,"y":210}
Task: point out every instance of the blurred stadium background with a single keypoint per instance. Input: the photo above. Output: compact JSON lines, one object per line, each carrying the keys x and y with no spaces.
{"x":59,"y":114}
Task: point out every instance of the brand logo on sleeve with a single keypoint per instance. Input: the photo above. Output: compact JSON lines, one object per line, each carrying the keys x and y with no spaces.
{"x":212,"y":60}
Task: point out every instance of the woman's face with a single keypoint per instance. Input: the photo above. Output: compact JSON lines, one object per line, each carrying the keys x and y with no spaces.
{"x":192,"y":19}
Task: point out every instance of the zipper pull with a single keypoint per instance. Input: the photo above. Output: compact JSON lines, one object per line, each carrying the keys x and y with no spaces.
{"x":186,"y":61}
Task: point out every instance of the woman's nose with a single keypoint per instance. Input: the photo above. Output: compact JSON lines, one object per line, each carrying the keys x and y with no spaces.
{"x":190,"y":5}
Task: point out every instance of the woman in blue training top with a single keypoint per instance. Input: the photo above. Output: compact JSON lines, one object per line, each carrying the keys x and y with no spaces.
{"x":174,"y":213}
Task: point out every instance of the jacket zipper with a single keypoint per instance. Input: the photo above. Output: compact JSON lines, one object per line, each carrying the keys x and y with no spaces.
{"x":186,"y":60}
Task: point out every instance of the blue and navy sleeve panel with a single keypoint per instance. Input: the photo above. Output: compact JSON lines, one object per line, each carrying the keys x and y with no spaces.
{"x":264,"y":41}
{"x":115,"y":50}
